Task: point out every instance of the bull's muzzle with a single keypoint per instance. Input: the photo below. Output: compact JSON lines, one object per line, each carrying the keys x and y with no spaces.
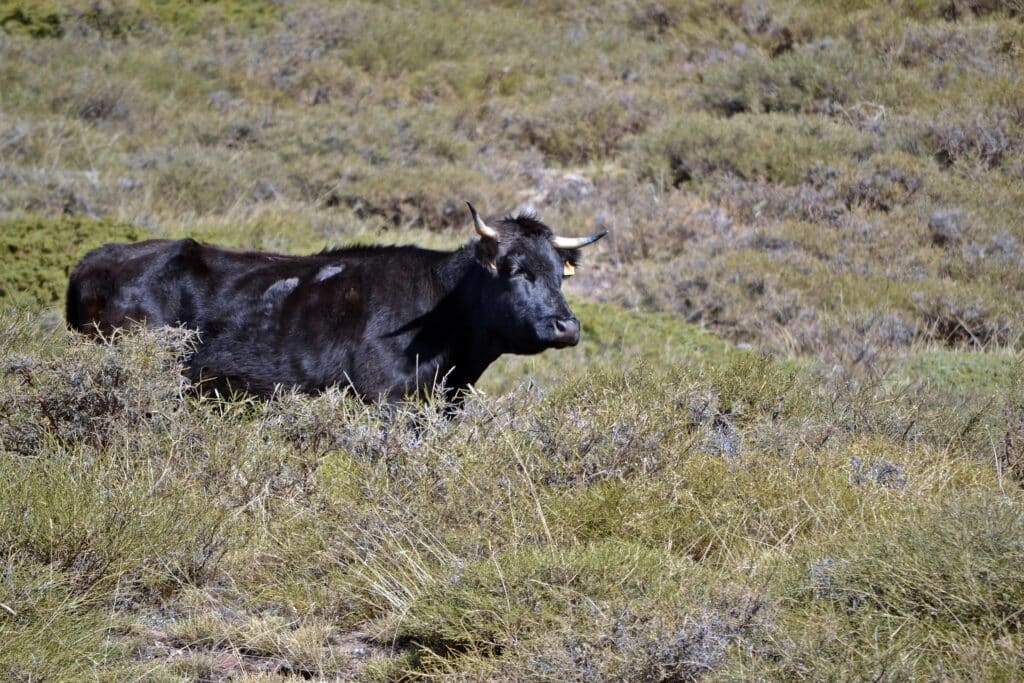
{"x":565,"y":332}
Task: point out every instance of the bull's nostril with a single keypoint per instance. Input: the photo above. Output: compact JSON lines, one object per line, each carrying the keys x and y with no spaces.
{"x":567,"y":329}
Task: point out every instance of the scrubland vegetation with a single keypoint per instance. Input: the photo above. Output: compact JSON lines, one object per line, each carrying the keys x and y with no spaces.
{"x":789,"y":446}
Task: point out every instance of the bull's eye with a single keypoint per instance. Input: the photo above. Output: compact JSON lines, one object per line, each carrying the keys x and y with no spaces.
{"x":516,"y":270}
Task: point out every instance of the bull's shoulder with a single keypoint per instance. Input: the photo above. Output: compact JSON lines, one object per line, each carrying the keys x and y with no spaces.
{"x":381,"y":252}
{"x":378,"y":266}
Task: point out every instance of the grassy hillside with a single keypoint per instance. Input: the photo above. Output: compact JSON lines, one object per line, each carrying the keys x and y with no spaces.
{"x":789,"y":446}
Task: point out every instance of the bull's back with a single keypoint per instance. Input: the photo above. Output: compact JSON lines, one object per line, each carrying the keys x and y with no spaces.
{"x":170,"y":282}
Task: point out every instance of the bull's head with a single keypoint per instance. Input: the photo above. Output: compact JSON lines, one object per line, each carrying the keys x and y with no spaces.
{"x":522,"y":295}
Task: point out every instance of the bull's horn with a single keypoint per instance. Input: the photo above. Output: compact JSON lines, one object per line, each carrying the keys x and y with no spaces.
{"x":576,"y":242}
{"x":482,"y":228}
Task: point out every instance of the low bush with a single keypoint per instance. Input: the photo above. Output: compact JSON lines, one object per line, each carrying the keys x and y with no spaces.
{"x":816,"y":78}
{"x":36,"y":255}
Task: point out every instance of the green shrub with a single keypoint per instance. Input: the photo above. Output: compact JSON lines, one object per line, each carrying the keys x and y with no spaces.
{"x":36,"y":255}
{"x":578,"y":131}
{"x":960,"y":564}
{"x":52,"y":631}
{"x":514,"y":596}
{"x":815,"y":78}
{"x":37,"y":20}
{"x":126,"y":17}
{"x":778,"y":148}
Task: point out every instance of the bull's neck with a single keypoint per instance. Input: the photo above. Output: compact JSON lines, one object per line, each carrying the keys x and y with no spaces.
{"x":464,"y":347}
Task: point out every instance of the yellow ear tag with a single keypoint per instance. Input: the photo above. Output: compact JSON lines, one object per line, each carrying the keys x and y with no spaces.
{"x":492,"y":266}
{"x":568,"y":269}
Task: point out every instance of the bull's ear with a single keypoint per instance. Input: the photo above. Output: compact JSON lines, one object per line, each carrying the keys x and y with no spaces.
{"x":487,"y":253}
{"x":570,"y":260}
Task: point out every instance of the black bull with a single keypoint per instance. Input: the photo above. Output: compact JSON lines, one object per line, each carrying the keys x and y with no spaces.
{"x":385,"y":321}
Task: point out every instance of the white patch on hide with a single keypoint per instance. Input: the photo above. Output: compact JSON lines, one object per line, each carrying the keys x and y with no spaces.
{"x":329,"y":272}
{"x":277,"y":292}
